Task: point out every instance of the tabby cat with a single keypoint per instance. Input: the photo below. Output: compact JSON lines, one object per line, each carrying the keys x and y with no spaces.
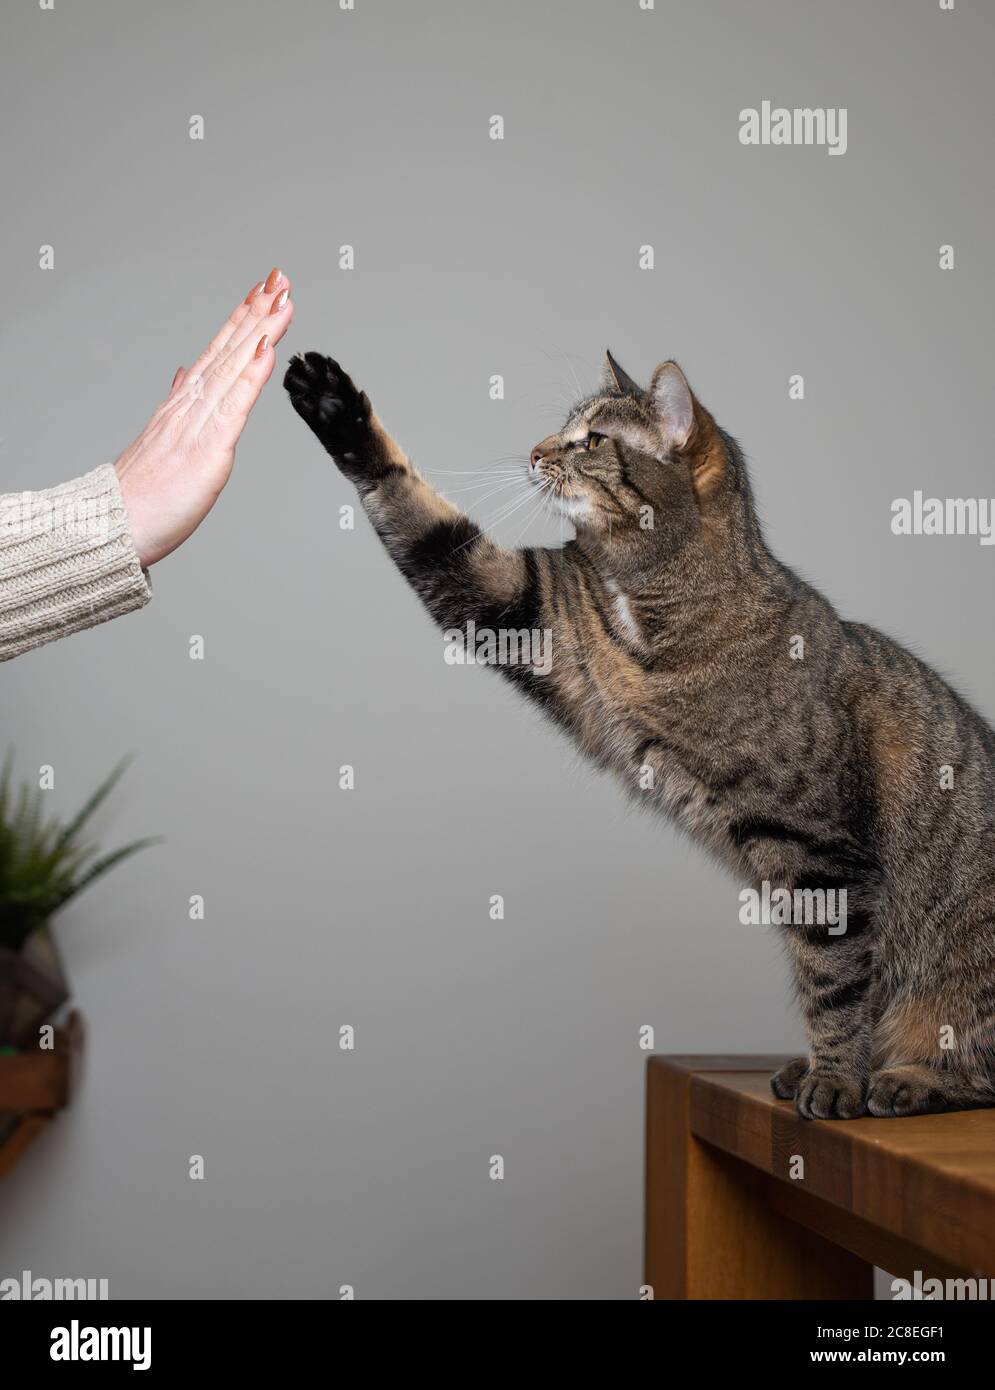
{"x":676,"y":636}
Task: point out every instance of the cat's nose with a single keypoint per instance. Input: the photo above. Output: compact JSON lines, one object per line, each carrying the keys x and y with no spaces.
{"x":544,"y":447}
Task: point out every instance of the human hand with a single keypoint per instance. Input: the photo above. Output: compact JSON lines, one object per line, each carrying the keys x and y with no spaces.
{"x":173,"y":473}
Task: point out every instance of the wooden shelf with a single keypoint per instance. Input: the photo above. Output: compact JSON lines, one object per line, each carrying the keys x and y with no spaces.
{"x":34,"y":1086}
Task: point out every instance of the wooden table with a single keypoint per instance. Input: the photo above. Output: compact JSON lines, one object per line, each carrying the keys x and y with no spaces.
{"x":725,"y":1218}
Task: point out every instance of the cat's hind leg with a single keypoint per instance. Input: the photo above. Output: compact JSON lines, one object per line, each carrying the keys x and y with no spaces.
{"x":933,"y":1049}
{"x":923,"y":1090}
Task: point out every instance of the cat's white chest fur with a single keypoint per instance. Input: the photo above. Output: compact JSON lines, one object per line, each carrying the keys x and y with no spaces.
{"x":623,"y":611}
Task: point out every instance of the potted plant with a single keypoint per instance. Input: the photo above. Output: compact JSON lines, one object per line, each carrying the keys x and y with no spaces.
{"x":43,"y":864}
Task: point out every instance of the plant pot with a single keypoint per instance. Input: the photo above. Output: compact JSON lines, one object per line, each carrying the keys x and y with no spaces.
{"x":35,"y":1083}
{"x":32,"y":987}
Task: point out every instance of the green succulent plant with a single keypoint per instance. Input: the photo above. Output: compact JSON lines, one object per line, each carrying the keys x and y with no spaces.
{"x":44,"y":862}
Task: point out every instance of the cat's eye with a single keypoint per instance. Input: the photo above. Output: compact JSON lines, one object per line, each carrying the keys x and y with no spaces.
{"x":590,"y":441}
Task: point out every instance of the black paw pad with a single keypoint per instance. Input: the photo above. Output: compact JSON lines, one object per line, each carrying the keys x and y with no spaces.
{"x":326,"y":398}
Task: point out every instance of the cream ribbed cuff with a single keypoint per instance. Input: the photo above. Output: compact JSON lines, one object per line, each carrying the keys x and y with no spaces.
{"x":67,"y":561}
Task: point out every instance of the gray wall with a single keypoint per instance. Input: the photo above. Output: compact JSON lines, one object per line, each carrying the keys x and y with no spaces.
{"x":370,"y":907}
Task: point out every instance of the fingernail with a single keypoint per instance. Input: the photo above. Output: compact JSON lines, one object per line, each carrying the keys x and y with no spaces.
{"x":179,"y":373}
{"x":253,"y":292}
{"x":280,"y":301}
{"x":273,"y":279}
{"x":262,"y":345}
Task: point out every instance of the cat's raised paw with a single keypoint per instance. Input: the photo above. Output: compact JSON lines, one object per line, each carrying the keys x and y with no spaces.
{"x":326,"y":398}
{"x":822,"y":1096}
{"x":785,"y":1082}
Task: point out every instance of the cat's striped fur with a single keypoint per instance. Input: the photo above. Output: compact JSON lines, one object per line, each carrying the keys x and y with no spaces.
{"x":674,"y":647}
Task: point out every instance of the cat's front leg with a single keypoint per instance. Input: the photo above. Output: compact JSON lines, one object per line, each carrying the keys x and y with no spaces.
{"x":458,"y":572}
{"x":833,"y":976}
{"x":787,"y":1079}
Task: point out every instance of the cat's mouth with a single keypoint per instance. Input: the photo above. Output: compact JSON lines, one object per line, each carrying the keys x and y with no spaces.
{"x":562,"y":492}
{"x":553,"y":480}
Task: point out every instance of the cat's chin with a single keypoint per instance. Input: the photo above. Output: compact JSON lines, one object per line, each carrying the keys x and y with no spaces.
{"x":573,"y":508}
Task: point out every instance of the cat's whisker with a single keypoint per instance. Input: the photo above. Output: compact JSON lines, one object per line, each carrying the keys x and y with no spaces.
{"x":497,"y":483}
{"x":492,"y":483}
{"x":540,"y":503}
{"x":474,"y":472}
{"x":529,"y":497}
{"x":504,"y":510}
{"x":530,"y":514}
{"x":487,"y":497}
{"x":507,"y":510}
{"x":569,"y":358}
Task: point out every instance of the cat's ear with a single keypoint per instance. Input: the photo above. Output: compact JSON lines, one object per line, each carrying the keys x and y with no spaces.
{"x":615,"y":378}
{"x":672,"y":403}
{"x":688,"y":428}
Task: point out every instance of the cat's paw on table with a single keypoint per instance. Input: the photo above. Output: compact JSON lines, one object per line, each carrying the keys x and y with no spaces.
{"x":902,"y":1091}
{"x":785,"y":1082}
{"x":822,"y":1096}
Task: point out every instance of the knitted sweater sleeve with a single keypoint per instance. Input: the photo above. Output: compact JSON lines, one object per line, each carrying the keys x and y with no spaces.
{"x":67,"y":561}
